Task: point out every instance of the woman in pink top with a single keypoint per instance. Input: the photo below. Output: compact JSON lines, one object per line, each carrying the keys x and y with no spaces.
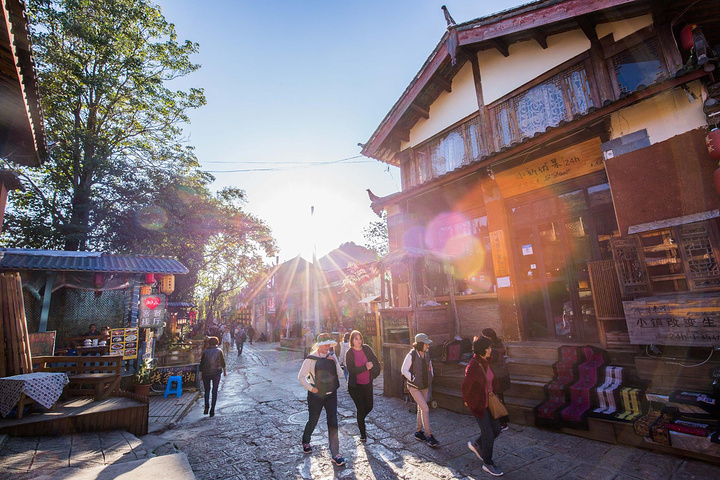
{"x":362,"y":367}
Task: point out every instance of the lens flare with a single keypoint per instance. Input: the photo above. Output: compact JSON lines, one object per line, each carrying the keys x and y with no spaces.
{"x":152,"y":218}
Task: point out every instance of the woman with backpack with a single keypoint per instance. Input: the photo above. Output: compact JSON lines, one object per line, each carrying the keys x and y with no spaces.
{"x":476,"y":387}
{"x":362,"y":367}
{"x":417,"y":370}
{"x":320,"y":375}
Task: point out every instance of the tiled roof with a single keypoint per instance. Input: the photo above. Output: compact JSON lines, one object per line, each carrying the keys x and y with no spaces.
{"x":14,"y":259}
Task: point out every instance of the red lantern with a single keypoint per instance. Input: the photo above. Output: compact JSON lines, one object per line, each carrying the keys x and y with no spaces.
{"x":686,"y":37}
{"x":98,"y":280}
{"x":713,"y":143}
{"x":150,"y":278}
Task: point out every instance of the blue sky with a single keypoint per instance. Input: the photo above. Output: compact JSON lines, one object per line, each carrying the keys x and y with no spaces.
{"x":290,"y":83}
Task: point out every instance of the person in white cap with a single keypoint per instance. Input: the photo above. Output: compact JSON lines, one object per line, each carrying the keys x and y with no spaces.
{"x":418,"y":371}
{"x":320,"y":375}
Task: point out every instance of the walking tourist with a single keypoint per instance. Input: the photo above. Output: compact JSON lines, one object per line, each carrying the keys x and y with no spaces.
{"x":250,"y":333}
{"x":478,"y":382}
{"x":240,"y":339}
{"x":320,"y":374}
{"x":308,"y":340}
{"x":226,"y":340}
{"x":499,"y":368}
{"x":212,"y":364}
{"x":344,"y":347}
{"x":418,"y":371}
{"x":363,"y":367}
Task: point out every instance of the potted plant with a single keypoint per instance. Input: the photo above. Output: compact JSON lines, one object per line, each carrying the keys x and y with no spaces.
{"x":143,"y":377}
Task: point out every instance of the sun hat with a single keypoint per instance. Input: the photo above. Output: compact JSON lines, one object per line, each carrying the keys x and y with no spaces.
{"x":421,"y":337}
{"x":325,"y":339}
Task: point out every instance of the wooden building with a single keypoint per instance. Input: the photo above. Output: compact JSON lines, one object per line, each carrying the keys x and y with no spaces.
{"x":557,"y":153}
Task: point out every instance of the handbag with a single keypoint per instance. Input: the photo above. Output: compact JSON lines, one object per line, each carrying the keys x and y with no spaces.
{"x":495,"y":405}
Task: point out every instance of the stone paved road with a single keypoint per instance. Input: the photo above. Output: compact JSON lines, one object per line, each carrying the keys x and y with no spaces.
{"x":262,"y":411}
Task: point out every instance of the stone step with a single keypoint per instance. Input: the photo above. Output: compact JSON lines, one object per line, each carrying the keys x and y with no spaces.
{"x":528,"y":387}
{"x":531,"y":367}
{"x":521,"y":410}
{"x":449,"y":399}
{"x":541,"y":350}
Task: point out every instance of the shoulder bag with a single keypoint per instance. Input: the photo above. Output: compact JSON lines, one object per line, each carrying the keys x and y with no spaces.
{"x":495,"y":405}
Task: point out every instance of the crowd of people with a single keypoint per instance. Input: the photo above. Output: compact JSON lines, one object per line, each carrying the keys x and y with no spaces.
{"x":485,"y":375}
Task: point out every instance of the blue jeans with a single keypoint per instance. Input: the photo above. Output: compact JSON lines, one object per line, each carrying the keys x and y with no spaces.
{"x":215,"y":384}
{"x":315,"y":406}
{"x":489,"y":430}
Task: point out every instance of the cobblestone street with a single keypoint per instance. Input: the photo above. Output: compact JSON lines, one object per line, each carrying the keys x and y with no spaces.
{"x":262,"y":411}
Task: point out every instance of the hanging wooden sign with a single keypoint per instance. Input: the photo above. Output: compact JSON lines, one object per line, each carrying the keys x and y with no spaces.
{"x":684,"y":320}
{"x":42,"y":343}
{"x":566,"y":164}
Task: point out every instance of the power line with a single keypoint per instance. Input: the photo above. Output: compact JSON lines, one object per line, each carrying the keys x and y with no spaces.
{"x":292,"y":165}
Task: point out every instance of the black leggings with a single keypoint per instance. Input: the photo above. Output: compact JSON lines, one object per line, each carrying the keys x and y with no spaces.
{"x":215,"y":384}
{"x":362,"y":395}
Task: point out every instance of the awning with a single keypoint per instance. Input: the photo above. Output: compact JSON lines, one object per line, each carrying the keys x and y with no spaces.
{"x":370,"y":299}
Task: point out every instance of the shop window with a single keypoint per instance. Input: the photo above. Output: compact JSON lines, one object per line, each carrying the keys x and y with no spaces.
{"x":668,"y":260}
{"x":638,"y":65}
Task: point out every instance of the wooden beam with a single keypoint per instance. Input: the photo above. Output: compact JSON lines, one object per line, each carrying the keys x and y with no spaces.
{"x":403,"y":135}
{"x":442,"y":82}
{"x":535,"y":17}
{"x":484,"y":116}
{"x":420,"y":110}
{"x":540,"y":37}
{"x":588,"y":27}
{"x":500,"y":45}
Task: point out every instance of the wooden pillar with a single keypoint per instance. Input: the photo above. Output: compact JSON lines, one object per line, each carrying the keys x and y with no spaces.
{"x":488,"y":145}
{"x":499,"y":228}
{"x":453,"y":303}
{"x":3,"y":203}
{"x":412,"y":271}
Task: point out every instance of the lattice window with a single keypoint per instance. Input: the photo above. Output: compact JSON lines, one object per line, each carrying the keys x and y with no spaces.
{"x":630,"y":266}
{"x":702,"y":266}
{"x":639,"y":65}
{"x":545,"y":105}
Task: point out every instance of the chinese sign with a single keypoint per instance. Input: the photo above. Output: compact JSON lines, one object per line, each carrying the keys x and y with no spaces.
{"x":152,"y":310}
{"x":572,"y":162}
{"x":499,"y":252}
{"x":189,"y":374}
{"x":42,"y":343}
{"x":124,"y":341}
{"x":370,"y":325}
{"x":271,"y":304}
{"x":244,"y":316}
{"x":685,"y":320}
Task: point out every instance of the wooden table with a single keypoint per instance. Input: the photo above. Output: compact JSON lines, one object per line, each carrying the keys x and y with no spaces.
{"x":41,"y":387}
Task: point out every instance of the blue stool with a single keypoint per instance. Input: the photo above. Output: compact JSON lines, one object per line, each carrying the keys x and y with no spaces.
{"x":177,"y":389}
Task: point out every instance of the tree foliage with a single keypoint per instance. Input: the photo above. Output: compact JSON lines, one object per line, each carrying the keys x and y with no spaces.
{"x":376,"y":236}
{"x":112,"y":122}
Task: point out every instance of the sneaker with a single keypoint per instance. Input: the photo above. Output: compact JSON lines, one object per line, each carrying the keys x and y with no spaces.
{"x":493,"y":470}
{"x":504,"y":428}
{"x":363,"y":439}
{"x":475,"y":449}
{"x":307,"y":448}
{"x":338,"y":460}
{"x":420,"y":436}
{"x":432,"y":441}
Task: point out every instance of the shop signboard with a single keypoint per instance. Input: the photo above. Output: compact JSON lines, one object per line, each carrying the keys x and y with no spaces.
{"x":152,"y":311}
{"x":683,"y":320}
{"x":189,"y":374}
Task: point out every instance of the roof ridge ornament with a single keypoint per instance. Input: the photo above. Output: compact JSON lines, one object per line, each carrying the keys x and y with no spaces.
{"x":452,"y":41}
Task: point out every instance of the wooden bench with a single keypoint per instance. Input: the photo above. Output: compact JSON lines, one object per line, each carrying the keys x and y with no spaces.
{"x":97,"y":376}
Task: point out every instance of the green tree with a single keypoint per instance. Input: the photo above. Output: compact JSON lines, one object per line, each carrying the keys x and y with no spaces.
{"x":113,"y":123}
{"x":376,"y":236}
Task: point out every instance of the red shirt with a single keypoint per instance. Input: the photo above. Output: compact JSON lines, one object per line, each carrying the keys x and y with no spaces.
{"x":360,"y":359}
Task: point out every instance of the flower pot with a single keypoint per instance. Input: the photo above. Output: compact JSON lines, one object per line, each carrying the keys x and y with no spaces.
{"x":143,"y":390}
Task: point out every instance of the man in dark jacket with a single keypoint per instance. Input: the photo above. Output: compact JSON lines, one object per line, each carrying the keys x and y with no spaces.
{"x":212,"y":364}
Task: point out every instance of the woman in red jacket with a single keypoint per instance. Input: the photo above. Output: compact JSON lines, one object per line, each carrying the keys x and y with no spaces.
{"x":479,"y":379}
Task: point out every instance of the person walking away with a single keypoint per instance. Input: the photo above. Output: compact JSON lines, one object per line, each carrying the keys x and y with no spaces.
{"x":212,"y":364}
{"x":362,"y":367}
{"x":240,"y":340}
{"x":250,"y":333}
{"x":344,"y":347}
{"x":500,"y":369}
{"x":479,"y":380}
{"x":417,"y":370}
{"x":226,"y":339}
{"x":320,"y":375}
{"x":309,"y":339}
